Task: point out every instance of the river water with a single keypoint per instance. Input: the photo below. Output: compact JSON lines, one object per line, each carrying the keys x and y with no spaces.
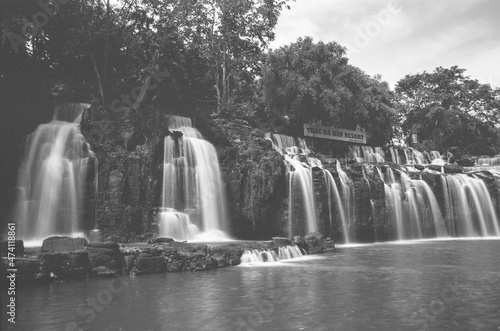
{"x":415,"y":285}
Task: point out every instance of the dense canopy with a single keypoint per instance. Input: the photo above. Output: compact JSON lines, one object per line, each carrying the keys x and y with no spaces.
{"x":211,"y":57}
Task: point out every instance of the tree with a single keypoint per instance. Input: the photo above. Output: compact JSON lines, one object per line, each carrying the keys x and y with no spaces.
{"x":445,"y":108}
{"x":309,"y":82}
{"x":230,"y":35}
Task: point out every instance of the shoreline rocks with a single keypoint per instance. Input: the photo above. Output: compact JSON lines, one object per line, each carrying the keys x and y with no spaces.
{"x":62,"y":258}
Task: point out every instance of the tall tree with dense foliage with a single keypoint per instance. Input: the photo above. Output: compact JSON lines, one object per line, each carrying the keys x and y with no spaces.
{"x":309,"y":82}
{"x":446,"y":108}
{"x":209,"y":49}
{"x":230,"y":35}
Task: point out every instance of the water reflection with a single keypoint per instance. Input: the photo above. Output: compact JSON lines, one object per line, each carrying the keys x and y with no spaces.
{"x":432,"y":285}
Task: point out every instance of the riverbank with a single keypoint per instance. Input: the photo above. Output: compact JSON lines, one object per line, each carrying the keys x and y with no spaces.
{"x":66,"y":258}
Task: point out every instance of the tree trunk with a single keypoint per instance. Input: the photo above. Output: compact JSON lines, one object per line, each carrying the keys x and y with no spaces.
{"x":217,"y":88}
{"x":97,"y":77}
{"x":224,"y":79}
{"x":106,"y":46}
{"x":144,"y":89}
{"x":147,"y":82}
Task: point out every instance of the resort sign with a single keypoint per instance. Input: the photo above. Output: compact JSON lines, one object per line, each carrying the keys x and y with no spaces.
{"x":358,"y":137}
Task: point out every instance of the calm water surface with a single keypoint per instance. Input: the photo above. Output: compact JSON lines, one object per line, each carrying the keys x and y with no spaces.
{"x":427,"y":285}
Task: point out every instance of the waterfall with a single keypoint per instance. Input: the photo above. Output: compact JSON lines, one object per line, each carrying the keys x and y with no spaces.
{"x":423,"y":207}
{"x":412,"y":208}
{"x":270,"y":255}
{"x":259,"y":255}
{"x":53,"y":176}
{"x":301,"y":204}
{"x":377,"y":154}
{"x":368,"y":154}
{"x":435,"y":155}
{"x":301,"y":185}
{"x":395,"y":155}
{"x":334,"y":196}
{"x":469,"y":207}
{"x":393,"y":201}
{"x":194,"y":202}
{"x":489,"y":161}
{"x":347,"y":189}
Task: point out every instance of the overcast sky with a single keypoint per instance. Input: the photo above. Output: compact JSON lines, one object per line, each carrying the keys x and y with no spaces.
{"x":395,"y":38}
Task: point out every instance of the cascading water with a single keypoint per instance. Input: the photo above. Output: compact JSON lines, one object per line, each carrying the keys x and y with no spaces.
{"x":412,"y":208}
{"x":270,"y":255}
{"x":435,"y":155}
{"x":348,"y":197}
{"x":194,"y":202}
{"x":423,"y":208}
{"x":469,"y":208}
{"x":334,"y":199}
{"x":301,"y":203}
{"x":394,"y":203}
{"x":489,"y":161}
{"x":368,"y":154}
{"x":411,"y":155}
{"x":53,"y":177}
{"x":394,"y":155}
{"x":301,"y":184}
{"x":259,"y":255}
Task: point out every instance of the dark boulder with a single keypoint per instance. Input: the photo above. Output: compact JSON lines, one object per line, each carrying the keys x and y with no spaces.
{"x":105,"y":254}
{"x":65,"y":265}
{"x":95,"y":236}
{"x":300,"y":241}
{"x":329,"y":244}
{"x":454,"y":168}
{"x":61,"y":244}
{"x":281,"y":241}
{"x":435,"y":167}
{"x":226,"y":255}
{"x":160,"y":240}
{"x":419,"y":167}
{"x":149,"y":264}
{"x":314,"y":243}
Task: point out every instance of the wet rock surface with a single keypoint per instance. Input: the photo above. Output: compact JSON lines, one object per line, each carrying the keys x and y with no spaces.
{"x":106,"y":254}
{"x":314,"y":243}
{"x":62,"y":244}
{"x":107,"y":259}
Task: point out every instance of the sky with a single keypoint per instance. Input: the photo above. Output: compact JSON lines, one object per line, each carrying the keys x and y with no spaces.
{"x":394,"y":38}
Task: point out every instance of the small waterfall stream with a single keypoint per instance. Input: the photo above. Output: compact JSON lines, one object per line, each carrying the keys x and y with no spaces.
{"x":270,"y":255}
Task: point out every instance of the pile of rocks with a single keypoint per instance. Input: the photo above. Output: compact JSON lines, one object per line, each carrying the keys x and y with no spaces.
{"x":65,"y":257}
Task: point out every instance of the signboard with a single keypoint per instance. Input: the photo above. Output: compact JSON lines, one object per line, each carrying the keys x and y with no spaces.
{"x":358,"y":137}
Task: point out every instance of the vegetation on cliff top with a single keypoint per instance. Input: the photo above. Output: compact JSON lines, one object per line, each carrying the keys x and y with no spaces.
{"x":194,"y":58}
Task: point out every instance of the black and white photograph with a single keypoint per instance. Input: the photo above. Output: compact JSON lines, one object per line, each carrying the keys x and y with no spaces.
{"x":245,"y":165}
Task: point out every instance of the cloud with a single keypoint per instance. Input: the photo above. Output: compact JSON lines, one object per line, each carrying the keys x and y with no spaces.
{"x":416,"y":36}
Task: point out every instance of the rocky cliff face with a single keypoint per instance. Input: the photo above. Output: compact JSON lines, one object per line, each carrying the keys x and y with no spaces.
{"x":125,"y":143}
{"x":129,"y":149}
{"x":255,"y":178}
